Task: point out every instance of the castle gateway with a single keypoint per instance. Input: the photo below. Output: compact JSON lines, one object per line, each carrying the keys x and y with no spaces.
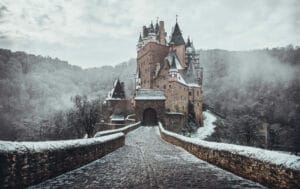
{"x":150,"y":106}
{"x":169,"y":78}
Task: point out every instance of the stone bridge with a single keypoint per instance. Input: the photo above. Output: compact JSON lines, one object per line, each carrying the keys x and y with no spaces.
{"x":148,"y":157}
{"x":147,"y":161}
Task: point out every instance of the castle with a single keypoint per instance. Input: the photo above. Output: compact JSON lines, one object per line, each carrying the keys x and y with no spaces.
{"x":171,"y":67}
{"x":168,"y":79}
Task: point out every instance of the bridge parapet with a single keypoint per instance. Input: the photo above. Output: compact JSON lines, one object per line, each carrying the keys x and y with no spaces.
{"x":27,"y":163}
{"x":124,"y":130}
{"x":270,"y":168}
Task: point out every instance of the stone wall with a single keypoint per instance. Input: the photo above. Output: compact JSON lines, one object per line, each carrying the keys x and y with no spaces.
{"x":268,"y":174}
{"x":21,"y":168}
{"x":174,"y":121}
{"x":124,"y":130}
{"x":157,"y":105}
{"x":147,"y":59}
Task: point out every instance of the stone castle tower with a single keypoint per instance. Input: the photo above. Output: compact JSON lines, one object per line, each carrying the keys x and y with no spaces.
{"x":168,"y":78}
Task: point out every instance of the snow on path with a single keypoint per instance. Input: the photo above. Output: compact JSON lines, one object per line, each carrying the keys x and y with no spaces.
{"x":208,"y":126}
{"x":147,"y":161}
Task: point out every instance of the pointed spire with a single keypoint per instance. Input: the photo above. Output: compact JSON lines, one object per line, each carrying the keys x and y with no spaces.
{"x":176,"y":37}
{"x":156,"y":26}
{"x":140,"y":38}
{"x":188,"y":43}
{"x":190,"y":74}
{"x":151,"y":27}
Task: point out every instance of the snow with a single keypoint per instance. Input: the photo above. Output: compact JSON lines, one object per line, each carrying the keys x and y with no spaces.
{"x":149,"y":94}
{"x":108,"y":132}
{"x":23,"y":147}
{"x":273,"y":157}
{"x":85,"y":136}
{"x":170,"y":58}
{"x":181,"y":80}
{"x":174,"y":113}
{"x":116,"y":117}
{"x":208,"y":126}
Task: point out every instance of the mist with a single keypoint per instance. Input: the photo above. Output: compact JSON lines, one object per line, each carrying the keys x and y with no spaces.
{"x":259,"y":86}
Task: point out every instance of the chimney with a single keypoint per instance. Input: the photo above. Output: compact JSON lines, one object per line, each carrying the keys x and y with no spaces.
{"x":162,"y":33}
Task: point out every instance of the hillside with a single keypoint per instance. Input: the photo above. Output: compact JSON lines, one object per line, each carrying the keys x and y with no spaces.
{"x":33,"y":88}
{"x":257,"y":91}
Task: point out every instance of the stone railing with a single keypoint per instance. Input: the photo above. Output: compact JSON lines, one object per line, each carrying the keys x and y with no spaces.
{"x":270,"y":168}
{"x":27,"y":163}
{"x":124,"y":130}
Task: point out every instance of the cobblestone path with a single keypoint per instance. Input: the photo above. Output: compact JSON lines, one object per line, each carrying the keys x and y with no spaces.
{"x":146,"y":161}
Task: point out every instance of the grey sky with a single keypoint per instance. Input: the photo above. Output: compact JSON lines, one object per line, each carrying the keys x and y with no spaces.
{"x":92,"y":33}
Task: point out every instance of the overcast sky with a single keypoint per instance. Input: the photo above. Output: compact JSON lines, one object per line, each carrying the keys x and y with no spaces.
{"x":92,"y":33}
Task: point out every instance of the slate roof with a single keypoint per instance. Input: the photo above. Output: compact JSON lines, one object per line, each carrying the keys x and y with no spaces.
{"x":117,"y":91}
{"x":190,"y":76}
{"x":176,"y":37}
{"x":170,"y":57}
{"x":149,"y":94}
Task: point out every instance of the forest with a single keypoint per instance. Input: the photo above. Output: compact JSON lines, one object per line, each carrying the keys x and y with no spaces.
{"x":257,"y":91}
{"x":37,"y":94}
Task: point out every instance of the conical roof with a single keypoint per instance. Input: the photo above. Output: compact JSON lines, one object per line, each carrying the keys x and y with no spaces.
{"x":188,"y":43}
{"x":151,"y":28}
{"x":176,"y":37}
{"x":190,"y":75}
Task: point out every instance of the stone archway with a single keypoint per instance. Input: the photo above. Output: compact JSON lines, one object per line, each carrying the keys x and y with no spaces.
{"x":149,"y":117}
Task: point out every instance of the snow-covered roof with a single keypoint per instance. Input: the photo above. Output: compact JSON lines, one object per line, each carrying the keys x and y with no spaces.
{"x":181,"y":79}
{"x":23,"y":147}
{"x":170,"y":57}
{"x":117,"y":92}
{"x":273,"y":157}
{"x":149,"y":94}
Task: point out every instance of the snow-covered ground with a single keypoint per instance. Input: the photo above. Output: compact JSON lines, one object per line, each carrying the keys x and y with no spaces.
{"x":208,"y":126}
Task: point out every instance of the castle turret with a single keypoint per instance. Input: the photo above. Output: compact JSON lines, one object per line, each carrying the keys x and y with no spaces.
{"x":140,"y":43}
{"x":178,"y":44}
{"x":152,"y":34}
{"x":173,"y":72}
{"x":176,"y":37}
{"x":188,"y":52}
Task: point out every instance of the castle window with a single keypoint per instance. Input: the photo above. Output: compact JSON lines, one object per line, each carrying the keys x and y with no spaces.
{"x":170,"y":86}
{"x":165,"y":87}
{"x":190,"y":93}
{"x":197,"y":93}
